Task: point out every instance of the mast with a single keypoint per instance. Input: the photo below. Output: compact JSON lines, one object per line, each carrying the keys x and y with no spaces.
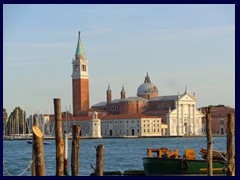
{"x":27,"y":122}
{"x":10,"y":126}
{"x":23,"y":117}
{"x":17,"y":120}
{"x":32,"y":121}
{"x":65,"y":119}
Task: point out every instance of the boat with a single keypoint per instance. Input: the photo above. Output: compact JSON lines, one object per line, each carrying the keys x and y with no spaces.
{"x":46,"y":143}
{"x":163,"y":162}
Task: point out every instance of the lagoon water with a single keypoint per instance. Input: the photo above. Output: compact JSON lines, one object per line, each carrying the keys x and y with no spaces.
{"x":119,"y":154}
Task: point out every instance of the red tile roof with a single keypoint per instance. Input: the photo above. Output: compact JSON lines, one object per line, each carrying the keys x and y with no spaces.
{"x":127,"y":116}
{"x":104,"y":117}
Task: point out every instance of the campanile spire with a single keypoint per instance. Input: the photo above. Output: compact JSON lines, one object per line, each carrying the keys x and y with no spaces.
{"x":79,"y":50}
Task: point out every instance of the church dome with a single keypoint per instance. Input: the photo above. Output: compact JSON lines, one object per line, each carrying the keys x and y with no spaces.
{"x":147,"y":89}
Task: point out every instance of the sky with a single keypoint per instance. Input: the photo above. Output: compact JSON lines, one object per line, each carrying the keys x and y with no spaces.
{"x":178,"y":45}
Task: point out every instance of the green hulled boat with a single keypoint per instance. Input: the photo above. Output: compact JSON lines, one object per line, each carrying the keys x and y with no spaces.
{"x":167,"y":163}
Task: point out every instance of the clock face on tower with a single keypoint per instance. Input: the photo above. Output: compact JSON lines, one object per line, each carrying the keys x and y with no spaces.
{"x":76,"y":68}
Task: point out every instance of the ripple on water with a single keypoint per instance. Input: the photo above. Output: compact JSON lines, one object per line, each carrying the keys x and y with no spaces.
{"x":119,"y":154}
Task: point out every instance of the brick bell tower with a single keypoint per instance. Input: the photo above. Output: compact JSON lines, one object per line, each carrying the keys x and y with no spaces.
{"x":80,"y":82}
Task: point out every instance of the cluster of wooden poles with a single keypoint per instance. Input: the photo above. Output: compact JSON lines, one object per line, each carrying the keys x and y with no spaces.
{"x":230,"y":165}
{"x":38,"y":165}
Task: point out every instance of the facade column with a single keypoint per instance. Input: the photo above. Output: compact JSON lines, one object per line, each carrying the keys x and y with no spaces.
{"x":182,"y":119}
{"x":177,"y":125}
{"x":189,"y":126}
{"x":194,"y":120}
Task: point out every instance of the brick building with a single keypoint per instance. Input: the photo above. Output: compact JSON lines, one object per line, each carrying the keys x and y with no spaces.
{"x":177,"y":112}
{"x":219,"y":116}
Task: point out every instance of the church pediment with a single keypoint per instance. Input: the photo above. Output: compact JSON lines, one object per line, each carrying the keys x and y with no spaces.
{"x":187,"y":97}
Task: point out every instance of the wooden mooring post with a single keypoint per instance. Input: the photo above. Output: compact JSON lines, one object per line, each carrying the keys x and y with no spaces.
{"x":35,"y":123}
{"x":230,"y":146}
{"x":99,"y":160}
{"x":75,"y":148}
{"x":58,"y":138}
{"x":209,"y":141}
{"x":39,"y":151}
{"x":66,"y":154}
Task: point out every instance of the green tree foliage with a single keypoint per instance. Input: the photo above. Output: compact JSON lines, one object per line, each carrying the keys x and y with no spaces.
{"x":5,"y":118}
{"x":66,"y":113}
{"x":16,"y":123}
{"x":220,"y":105}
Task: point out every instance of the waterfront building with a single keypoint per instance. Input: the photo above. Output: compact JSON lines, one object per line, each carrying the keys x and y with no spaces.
{"x":177,"y":112}
{"x":219,"y":116}
{"x":101,"y":125}
{"x":138,"y":125}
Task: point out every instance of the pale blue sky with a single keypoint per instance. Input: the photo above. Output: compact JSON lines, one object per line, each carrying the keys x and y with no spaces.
{"x":177,"y":45}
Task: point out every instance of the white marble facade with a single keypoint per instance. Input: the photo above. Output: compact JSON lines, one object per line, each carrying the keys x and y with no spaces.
{"x":185,"y":119}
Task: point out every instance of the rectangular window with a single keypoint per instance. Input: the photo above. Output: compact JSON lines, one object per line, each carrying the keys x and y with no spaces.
{"x":84,"y":68}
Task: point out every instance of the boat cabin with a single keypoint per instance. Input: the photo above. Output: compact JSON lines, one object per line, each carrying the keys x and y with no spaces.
{"x":166,"y":153}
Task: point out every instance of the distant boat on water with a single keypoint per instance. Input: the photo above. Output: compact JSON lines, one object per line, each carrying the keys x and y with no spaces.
{"x":46,"y":143}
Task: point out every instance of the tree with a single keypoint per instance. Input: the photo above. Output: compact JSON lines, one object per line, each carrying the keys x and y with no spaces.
{"x":66,"y":113}
{"x":5,"y":117}
{"x":16,"y":122}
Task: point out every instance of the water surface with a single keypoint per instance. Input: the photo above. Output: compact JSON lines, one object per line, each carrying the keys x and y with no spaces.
{"x":119,"y":154}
